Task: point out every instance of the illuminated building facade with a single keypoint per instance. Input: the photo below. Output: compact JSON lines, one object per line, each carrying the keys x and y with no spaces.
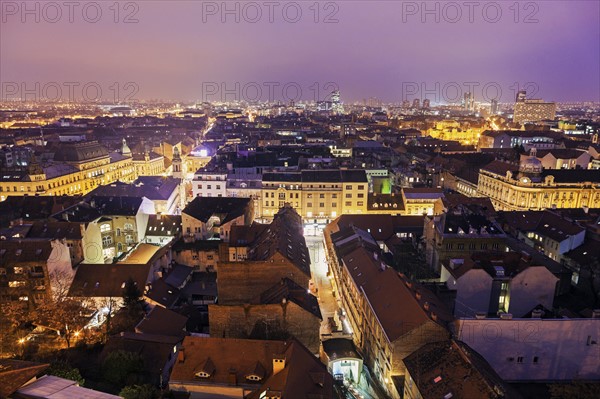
{"x":317,"y":195}
{"x":533,"y":188}
{"x":78,"y":169}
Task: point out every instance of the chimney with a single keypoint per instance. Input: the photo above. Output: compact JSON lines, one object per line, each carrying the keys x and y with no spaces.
{"x":278,"y":363}
{"x":480,"y":315}
{"x":181,"y":356}
{"x":506,"y":316}
{"x":537,"y":314}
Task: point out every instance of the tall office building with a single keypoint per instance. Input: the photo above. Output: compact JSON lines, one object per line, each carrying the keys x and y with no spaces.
{"x":469,"y":101}
{"x":494,"y":107}
{"x":521,"y":96}
{"x":416,"y":103}
{"x":426,"y":103}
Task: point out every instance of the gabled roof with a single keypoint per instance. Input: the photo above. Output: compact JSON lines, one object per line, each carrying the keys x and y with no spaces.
{"x":107,"y":280}
{"x":202,"y":208}
{"x":161,"y":321}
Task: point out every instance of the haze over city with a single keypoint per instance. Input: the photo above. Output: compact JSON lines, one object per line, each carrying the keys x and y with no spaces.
{"x":369,"y":49}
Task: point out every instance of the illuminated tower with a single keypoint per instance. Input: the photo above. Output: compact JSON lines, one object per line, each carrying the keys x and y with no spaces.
{"x":177,"y":164}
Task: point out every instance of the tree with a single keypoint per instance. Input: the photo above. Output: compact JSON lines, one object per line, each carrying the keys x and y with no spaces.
{"x":120,"y":365}
{"x":139,"y":392}
{"x":131,"y":293}
{"x":61,"y":312}
{"x":64,"y":370}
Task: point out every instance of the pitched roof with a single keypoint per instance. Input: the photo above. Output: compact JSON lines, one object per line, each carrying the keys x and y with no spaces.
{"x":107,"y":280}
{"x":202,"y":208}
{"x":161,"y":321}
{"x":285,"y":235}
{"x":163,"y":225}
{"x":52,"y":387}
{"x":236,"y":355}
{"x":447,"y":368}
{"x":55,"y":230}
{"x":152,"y":187}
{"x":288,"y":290}
{"x":15,"y":373}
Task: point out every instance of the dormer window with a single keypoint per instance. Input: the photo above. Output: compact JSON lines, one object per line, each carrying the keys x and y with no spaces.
{"x":253,"y":377}
{"x":207,"y":369}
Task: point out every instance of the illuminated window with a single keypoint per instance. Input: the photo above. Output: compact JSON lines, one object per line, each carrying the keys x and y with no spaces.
{"x":105,"y":228}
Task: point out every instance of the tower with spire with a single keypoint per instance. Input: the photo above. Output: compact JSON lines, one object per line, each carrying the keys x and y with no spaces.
{"x":125,"y":150}
{"x":177,"y":164}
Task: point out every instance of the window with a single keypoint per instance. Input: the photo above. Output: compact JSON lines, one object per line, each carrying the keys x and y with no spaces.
{"x":449,"y":246}
{"x":348,"y":203}
{"x":535,"y":360}
{"x":360,"y":203}
{"x":309,"y":204}
{"x":129,"y":239}
{"x":348,"y":195}
{"x":361,"y":187}
{"x":128,"y":226}
{"x":461,"y":246}
{"x":107,"y":240}
{"x":321,"y":195}
{"x":495,"y":246}
{"x":520,"y":359}
{"x":118,"y":232}
{"x":334,"y":204}
{"x":472,"y":245}
{"x":361,"y":195}
{"x":333,"y":195}
{"x":209,"y":186}
{"x":483,"y":246}
{"x":308,"y":195}
{"x":105,"y":228}
{"x":15,"y":284}
{"x":348,"y":187}
{"x":218,"y":186}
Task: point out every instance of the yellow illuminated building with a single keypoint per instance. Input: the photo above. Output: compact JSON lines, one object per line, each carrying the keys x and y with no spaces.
{"x":317,"y":195}
{"x":533,"y":188}
{"x":453,"y":131}
{"x":78,"y":169}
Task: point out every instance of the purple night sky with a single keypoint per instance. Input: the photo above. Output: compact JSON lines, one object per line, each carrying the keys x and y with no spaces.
{"x":375,"y":49}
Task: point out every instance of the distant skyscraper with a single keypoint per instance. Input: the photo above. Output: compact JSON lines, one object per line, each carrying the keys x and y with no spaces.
{"x":468,"y":101}
{"x":426,"y":103}
{"x":521,"y":96}
{"x":405,"y":104}
{"x":494,"y":107}
{"x":336,"y":104}
{"x":416,"y":103}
